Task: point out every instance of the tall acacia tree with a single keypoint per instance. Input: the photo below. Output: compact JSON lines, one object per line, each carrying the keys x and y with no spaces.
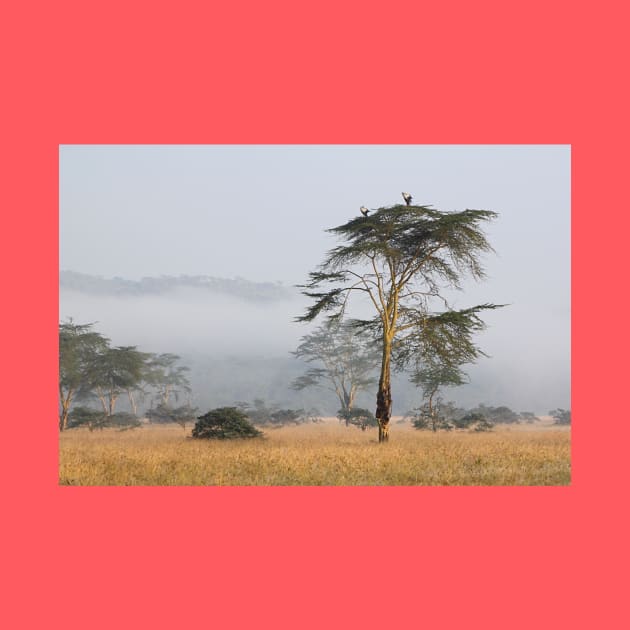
{"x":403,"y":258}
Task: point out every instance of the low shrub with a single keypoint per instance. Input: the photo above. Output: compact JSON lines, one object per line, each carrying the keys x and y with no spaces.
{"x":224,"y":423}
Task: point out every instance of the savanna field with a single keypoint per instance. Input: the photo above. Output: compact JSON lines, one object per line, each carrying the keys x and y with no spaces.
{"x":318,"y":454}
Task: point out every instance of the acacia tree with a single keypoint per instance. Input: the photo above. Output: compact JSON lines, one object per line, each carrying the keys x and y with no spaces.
{"x":349,"y":360}
{"x":439,"y":354}
{"x":432,"y":377}
{"x":166,"y":377}
{"x":561,"y":416}
{"x":113,"y":372}
{"x":402,"y":257}
{"x":79,"y":347}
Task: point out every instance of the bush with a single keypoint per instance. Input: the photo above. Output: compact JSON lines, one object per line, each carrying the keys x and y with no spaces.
{"x":98,"y":419}
{"x":362,"y":418}
{"x":468,"y":420}
{"x":561,"y":416}
{"x":86,"y":417}
{"x":498,"y":415}
{"x":224,"y":423}
{"x":262,"y":415}
{"x":483,"y":425}
{"x":448,"y":417}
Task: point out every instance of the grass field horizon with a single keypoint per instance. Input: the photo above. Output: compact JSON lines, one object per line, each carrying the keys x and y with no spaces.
{"x":318,"y":454}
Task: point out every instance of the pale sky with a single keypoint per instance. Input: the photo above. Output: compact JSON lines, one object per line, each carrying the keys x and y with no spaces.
{"x":259,"y":212}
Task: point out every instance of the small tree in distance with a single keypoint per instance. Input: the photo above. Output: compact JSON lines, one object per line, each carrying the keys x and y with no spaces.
{"x":344,"y":361}
{"x":561,"y":416}
{"x":163,"y":373}
{"x":431,"y":377}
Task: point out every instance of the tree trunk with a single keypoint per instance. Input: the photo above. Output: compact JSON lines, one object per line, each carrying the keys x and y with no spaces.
{"x":351,"y":396}
{"x":132,"y":402}
{"x":166,"y":394}
{"x":432,"y":412}
{"x":112,"y":396}
{"x":65,"y":409}
{"x":101,"y":396}
{"x":384,"y":396}
{"x":63,"y":418}
{"x":345,"y":402}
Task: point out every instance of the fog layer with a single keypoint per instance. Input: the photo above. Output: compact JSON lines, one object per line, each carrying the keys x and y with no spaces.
{"x":240,"y":349}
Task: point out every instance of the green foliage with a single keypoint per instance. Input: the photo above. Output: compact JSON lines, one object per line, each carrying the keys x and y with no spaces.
{"x":415,"y":243}
{"x":561,"y":416}
{"x":498,"y":415}
{"x":475,"y":421}
{"x":164,"y":413}
{"x":468,"y":419}
{"x":98,"y":419}
{"x":441,"y":341}
{"x":86,"y":416}
{"x":260,"y":414}
{"x":402,"y":258}
{"x":358,"y":417}
{"x":79,"y":349}
{"x":446,"y":417}
{"x":113,"y":372}
{"x":224,"y":423}
{"x":89,"y":368}
{"x":162,"y":373}
{"x":483,"y":425}
{"x":434,"y":417}
{"x":528,"y":416}
{"x":345,"y":361}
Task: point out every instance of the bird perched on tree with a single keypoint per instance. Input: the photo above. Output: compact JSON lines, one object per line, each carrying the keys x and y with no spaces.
{"x":407,"y":197}
{"x":364,"y":211}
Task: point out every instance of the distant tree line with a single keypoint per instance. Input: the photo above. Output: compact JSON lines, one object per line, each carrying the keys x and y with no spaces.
{"x":91,"y":370}
{"x":265,"y":414}
{"x":446,"y":416}
{"x":343,"y":359}
{"x":237,"y":287}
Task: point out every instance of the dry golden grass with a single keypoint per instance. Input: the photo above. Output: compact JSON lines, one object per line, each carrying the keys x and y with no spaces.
{"x":316,"y":455}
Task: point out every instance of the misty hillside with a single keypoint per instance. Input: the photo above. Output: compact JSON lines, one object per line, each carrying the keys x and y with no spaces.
{"x":237,"y":337}
{"x":150,"y":286}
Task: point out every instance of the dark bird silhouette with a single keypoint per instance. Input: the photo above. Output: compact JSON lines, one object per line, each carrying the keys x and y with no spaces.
{"x":407,"y":197}
{"x":364,"y":211}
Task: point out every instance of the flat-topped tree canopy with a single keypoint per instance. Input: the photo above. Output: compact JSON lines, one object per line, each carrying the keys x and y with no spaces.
{"x":402,"y":257}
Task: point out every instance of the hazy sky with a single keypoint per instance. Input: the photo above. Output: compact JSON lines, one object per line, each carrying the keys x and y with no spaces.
{"x":259,"y":212}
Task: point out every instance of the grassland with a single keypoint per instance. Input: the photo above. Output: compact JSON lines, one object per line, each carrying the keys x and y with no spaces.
{"x":324,"y":454}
